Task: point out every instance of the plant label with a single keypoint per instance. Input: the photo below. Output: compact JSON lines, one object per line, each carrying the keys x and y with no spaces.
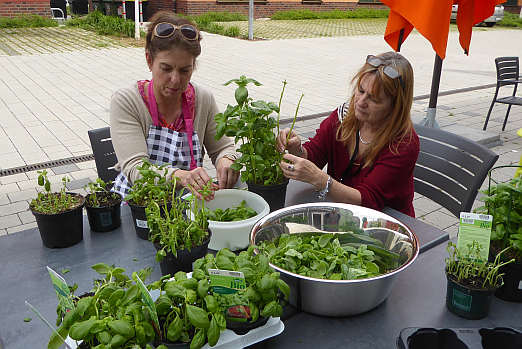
{"x":141,"y":224}
{"x":45,"y":321}
{"x":475,"y":227}
{"x":226,"y":281}
{"x":147,"y":299}
{"x":62,"y":290}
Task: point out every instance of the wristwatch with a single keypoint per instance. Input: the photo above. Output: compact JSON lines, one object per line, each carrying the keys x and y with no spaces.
{"x":322,"y":194}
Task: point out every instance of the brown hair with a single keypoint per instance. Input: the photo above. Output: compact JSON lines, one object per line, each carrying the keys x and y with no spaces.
{"x":398,"y":124}
{"x":154,"y":44}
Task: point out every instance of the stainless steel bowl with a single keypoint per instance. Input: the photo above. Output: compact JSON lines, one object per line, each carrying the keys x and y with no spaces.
{"x":338,"y":297}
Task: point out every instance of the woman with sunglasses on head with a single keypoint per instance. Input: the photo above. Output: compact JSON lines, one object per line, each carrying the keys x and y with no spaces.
{"x":169,"y":119}
{"x":368,"y":143}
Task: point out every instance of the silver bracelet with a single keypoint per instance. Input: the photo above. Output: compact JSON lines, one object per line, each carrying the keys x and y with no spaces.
{"x":322,"y":194}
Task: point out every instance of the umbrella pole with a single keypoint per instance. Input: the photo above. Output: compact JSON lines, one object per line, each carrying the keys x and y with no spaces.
{"x":429,"y":119}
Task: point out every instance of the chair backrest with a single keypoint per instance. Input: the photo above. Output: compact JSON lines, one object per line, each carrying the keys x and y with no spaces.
{"x":450,"y":168}
{"x":507,"y":69}
{"x":104,"y":155}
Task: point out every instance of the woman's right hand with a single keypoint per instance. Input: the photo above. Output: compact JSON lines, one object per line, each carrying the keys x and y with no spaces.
{"x":196,"y":180}
{"x":293,"y":145}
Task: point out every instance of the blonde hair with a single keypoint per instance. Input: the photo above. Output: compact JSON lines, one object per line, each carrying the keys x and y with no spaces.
{"x":398,"y":124}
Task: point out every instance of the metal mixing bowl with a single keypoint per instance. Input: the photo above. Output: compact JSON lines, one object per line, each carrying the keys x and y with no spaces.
{"x":338,"y":297}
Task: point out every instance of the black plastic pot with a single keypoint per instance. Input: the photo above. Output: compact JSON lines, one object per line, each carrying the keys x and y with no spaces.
{"x":103,"y":219}
{"x":511,"y":291}
{"x":171,"y":264}
{"x":241,"y":328}
{"x":274,"y":195}
{"x":63,"y":229}
{"x":466,"y":302}
{"x":139,"y":218}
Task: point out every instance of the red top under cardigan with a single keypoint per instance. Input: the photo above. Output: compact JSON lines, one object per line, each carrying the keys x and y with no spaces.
{"x":389,"y":182}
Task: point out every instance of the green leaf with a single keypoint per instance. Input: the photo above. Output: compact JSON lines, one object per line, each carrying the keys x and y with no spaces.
{"x":197,"y":317}
{"x":101,"y":268}
{"x":27,"y":319}
{"x":65,"y":271}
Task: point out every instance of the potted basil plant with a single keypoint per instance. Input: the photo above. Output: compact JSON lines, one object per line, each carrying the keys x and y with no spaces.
{"x":255,"y":129}
{"x":471,"y":281}
{"x":189,"y":316}
{"x":178,"y":240}
{"x":152,"y":186}
{"x":103,"y":206}
{"x":58,"y":214}
{"x":111,"y":315}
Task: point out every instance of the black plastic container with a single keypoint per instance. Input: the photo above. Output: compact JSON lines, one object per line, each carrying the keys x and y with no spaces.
{"x":468,"y":303}
{"x":511,"y":291}
{"x":103,"y":219}
{"x":241,"y":328}
{"x":274,"y":195}
{"x":459,"y":338}
{"x":139,"y":219}
{"x":171,"y":264}
{"x":63,"y":229}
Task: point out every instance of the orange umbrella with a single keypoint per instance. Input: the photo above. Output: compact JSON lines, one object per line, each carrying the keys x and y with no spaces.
{"x":432,"y":19}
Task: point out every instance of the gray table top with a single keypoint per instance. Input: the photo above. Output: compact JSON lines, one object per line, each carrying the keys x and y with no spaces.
{"x":416,"y":300}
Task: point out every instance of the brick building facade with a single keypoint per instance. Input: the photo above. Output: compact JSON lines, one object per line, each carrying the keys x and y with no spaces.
{"x":13,"y":8}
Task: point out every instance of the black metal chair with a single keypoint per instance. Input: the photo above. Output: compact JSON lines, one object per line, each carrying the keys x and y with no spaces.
{"x":508,"y":73}
{"x":104,"y":155}
{"x":450,"y":168}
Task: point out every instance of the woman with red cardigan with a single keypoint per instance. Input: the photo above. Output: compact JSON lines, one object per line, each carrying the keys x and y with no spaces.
{"x":368,"y":143}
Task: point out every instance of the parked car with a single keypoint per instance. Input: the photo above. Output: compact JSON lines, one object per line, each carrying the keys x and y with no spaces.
{"x":497,"y":16}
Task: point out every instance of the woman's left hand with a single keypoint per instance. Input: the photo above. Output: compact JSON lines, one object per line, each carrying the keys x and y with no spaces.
{"x":302,"y":170}
{"x":227,"y":177}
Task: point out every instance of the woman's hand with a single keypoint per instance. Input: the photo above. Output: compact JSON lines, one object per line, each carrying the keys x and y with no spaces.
{"x":294,"y":142}
{"x":227,"y":177}
{"x":303,"y":170}
{"x":196,"y":180}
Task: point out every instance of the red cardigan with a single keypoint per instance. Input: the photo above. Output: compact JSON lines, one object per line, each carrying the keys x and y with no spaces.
{"x":389,"y":182}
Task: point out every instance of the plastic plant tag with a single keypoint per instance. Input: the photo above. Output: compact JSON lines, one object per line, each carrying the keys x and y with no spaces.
{"x":62,"y":290}
{"x":141,"y":224}
{"x":226,"y":281}
{"x":44,"y":320}
{"x":475,"y":227}
{"x":147,"y":299}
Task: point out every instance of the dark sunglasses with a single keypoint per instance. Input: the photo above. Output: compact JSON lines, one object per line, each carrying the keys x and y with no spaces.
{"x":388,"y":70}
{"x":165,"y":30}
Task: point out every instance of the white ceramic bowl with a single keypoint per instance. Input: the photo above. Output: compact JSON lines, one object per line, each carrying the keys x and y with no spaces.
{"x":234,"y":235}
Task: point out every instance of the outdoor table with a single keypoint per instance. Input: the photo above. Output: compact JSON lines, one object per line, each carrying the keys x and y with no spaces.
{"x":417,"y":299}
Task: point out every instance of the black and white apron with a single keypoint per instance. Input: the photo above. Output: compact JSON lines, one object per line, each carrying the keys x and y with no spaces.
{"x":165,"y":146}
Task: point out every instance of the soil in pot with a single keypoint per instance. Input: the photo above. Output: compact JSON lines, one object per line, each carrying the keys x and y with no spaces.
{"x":274,"y":195}
{"x":171,"y":264}
{"x":139,"y":218}
{"x":466,"y":302}
{"x":107,"y":215}
{"x":62,"y":229}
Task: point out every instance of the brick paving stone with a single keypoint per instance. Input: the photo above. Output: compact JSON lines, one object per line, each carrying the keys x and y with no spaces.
{"x":14,"y":207}
{"x":26,"y":217}
{"x":13,"y":178}
{"x":22,"y":227}
{"x":78,"y":183}
{"x":22,"y":195}
{"x":9,"y":221}
{"x":65,"y":169}
{"x":8,"y":188}
{"x":4,"y":200}
{"x":3,"y":232}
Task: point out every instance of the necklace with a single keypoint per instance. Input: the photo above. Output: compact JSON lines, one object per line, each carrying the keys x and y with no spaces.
{"x":362,"y":140}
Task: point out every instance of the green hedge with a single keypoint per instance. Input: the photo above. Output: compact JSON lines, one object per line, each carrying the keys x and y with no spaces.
{"x":511,"y":20}
{"x":26,"y":21}
{"x":334,"y":14}
{"x":207,"y":22}
{"x":104,"y":25}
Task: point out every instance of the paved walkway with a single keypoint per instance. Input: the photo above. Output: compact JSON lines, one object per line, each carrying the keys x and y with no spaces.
{"x":48,"y":102}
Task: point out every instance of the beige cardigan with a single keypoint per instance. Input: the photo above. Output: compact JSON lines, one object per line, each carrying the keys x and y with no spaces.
{"x":130,"y":121}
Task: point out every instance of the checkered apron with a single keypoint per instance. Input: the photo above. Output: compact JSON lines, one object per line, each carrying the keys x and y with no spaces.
{"x":165,"y":146}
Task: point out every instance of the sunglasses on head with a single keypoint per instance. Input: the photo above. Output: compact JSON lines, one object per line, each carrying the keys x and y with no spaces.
{"x":388,"y":70}
{"x":165,"y":30}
